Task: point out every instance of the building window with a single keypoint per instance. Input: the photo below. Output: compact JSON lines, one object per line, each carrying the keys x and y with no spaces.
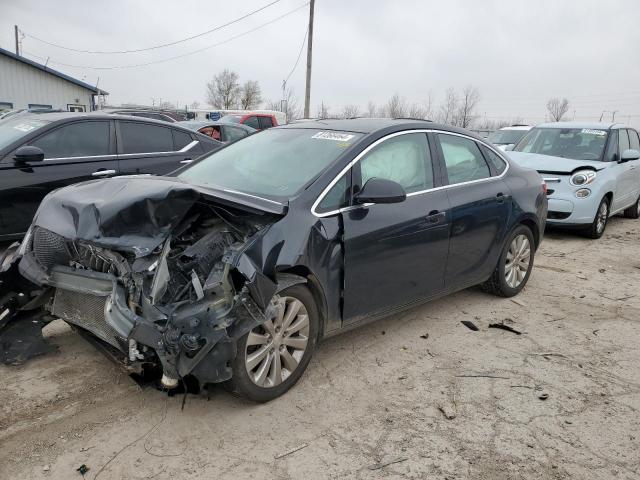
{"x":6,"y":106}
{"x":72,"y":107}
{"x":38,"y":106}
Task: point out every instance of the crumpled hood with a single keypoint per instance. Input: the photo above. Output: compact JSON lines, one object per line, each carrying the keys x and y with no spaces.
{"x":547,"y":163}
{"x":133,"y":213}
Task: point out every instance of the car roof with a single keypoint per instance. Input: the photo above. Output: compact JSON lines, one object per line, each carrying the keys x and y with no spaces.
{"x":58,"y":116}
{"x":592,"y":125}
{"x":370,"y":125}
{"x":518,"y":127}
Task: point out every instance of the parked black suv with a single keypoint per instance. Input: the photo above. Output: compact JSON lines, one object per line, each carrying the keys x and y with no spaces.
{"x":41,"y":152}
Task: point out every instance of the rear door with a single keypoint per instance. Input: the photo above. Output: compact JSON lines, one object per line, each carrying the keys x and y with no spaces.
{"x":74,"y":152}
{"x":480,"y":207}
{"x":153,"y":148}
{"x":395,"y":254}
{"x":627,"y":175}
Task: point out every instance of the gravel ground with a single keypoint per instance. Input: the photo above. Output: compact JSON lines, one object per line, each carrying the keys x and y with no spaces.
{"x":417,"y":395}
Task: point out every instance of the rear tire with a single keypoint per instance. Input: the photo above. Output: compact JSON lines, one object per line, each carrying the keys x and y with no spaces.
{"x":633,"y":211}
{"x":599,"y":224}
{"x":514,"y":265}
{"x":272,"y":357}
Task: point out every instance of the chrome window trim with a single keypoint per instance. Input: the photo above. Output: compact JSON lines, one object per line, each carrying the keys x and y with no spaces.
{"x":80,"y":156}
{"x":188,"y":147}
{"x":392,"y":135}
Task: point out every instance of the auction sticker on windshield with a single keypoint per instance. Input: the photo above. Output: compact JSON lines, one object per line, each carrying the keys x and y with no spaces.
{"x":589,"y":131}
{"x":335,"y":136}
{"x":24,"y":127}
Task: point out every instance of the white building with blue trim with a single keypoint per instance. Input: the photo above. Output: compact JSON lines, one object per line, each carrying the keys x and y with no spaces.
{"x":25,"y":84}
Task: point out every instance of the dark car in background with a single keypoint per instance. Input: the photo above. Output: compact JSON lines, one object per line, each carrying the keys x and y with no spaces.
{"x":41,"y":152}
{"x":233,"y":268}
{"x":221,"y":131}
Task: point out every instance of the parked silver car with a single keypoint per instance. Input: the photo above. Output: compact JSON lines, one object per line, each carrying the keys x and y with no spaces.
{"x":592,"y":171}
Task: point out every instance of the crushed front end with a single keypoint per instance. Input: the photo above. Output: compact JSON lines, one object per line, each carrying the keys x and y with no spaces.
{"x":179,"y":303}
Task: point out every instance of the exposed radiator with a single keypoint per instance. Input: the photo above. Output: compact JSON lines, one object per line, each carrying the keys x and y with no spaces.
{"x":86,"y":311}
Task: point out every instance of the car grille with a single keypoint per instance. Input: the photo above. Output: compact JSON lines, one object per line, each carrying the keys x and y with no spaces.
{"x":87,"y":312}
{"x":49,"y":248}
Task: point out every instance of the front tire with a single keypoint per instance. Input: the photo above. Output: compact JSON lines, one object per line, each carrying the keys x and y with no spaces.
{"x":514,"y":265}
{"x":272,"y":357}
{"x":633,"y":211}
{"x":597,"y":227}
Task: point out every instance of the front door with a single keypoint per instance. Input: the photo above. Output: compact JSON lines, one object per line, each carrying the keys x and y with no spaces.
{"x":395,"y":254}
{"x":73,"y":152}
{"x":480,"y":207}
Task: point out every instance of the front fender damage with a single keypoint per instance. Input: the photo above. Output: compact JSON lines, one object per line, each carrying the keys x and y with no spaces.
{"x":178,"y":307}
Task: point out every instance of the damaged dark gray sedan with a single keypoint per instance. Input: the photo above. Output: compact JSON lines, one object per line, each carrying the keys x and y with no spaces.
{"x":232,"y":269}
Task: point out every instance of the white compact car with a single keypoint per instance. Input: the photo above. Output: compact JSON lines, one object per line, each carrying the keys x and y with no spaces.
{"x":592,"y":171}
{"x":508,"y":136}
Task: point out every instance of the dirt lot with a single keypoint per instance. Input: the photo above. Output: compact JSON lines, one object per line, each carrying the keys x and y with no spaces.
{"x":378,"y":394}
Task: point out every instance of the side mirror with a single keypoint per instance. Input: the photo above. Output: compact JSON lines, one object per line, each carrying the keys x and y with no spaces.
{"x":508,"y":148}
{"x":28,"y":153}
{"x":630,"y":154}
{"x":380,"y":190}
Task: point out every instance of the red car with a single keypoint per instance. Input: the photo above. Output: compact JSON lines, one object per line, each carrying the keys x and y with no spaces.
{"x":259,"y":121}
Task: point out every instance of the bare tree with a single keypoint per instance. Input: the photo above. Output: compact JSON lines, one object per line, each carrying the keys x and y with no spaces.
{"x":557,"y":108}
{"x":290,"y":105}
{"x":350,"y":111}
{"x":372,"y":109}
{"x":167,"y":106}
{"x":466,"y":110}
{"x":323,"y":111}
{"x":224,"y":90}
{"x":449,"y":107}
{"x":396,"y":107}
{"x":250,"y":95}
{"x":195,"y":104}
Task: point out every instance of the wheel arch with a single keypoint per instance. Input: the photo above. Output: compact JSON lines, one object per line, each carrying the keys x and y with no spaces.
{"x":307,"y":277}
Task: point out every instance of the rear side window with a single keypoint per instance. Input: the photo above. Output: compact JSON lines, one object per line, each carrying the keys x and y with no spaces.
{"x":265,"y":122}
{"x":405,"y":159}
{"x":493,"y":159}
{"x":623,"y":141}
{"x":634,"y":141}
{"x":180,"y":139}
{"x":145,"y":138}
{"x":252,"y":122}
{"x":463,"y":159}
{"x":80,"y":139}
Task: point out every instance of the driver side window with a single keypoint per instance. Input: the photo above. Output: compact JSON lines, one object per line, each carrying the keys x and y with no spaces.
{"x":405,"y":159}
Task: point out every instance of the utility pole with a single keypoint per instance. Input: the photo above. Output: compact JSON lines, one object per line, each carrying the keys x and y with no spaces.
{"x":15,"y":31}
{"x":307,"y":92}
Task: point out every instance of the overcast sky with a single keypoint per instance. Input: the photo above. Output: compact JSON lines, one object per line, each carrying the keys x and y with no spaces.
{"x":517,"y":53}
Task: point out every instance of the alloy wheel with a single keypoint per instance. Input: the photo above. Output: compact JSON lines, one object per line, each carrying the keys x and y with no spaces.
{"x":276,"y":347}
{"x":603,"y":213}
{"x":518,"y":261}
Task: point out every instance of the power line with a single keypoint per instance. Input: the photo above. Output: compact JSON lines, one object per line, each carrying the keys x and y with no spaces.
{"x":119,"y":67}
{"x":155,"y":47}
{"x":299,"y":56}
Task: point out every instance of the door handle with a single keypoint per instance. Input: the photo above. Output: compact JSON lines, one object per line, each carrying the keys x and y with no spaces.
{"x":435,"y":217}
{"x":186,"y":161}
{"x":103,"y":173}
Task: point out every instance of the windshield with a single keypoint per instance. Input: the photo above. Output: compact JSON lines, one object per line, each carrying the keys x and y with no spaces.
{"x":576,"y":143}
{"x":13,"y":128}
{"x":506,"y":137}
{"x":272,"y":163}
